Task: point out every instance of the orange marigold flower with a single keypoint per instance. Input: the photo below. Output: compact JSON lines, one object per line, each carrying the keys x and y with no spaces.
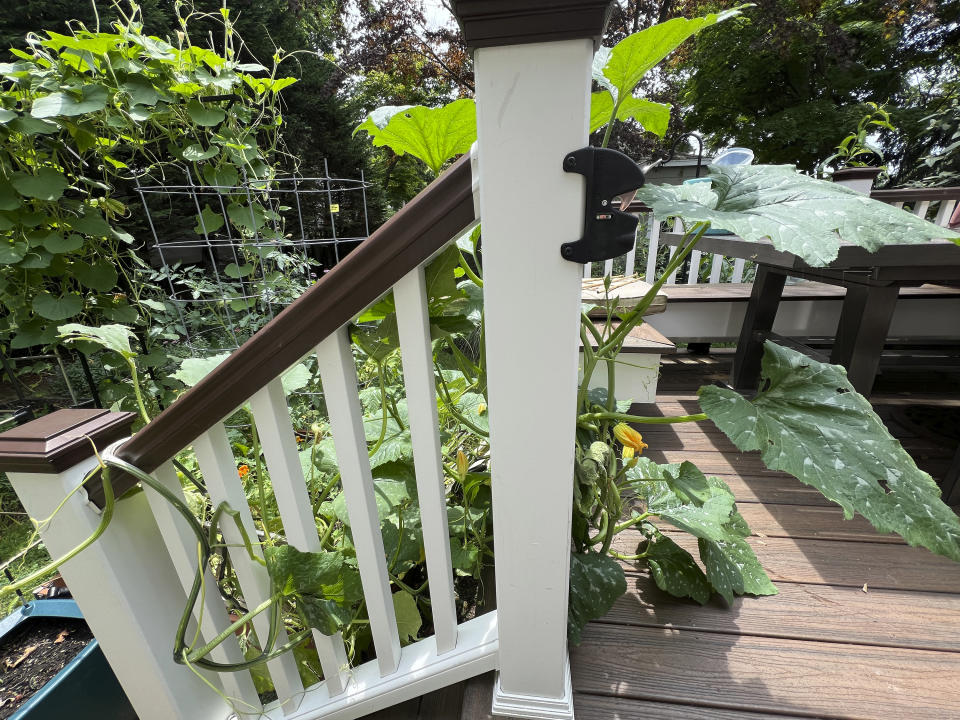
{"x":243,"y":470}
{"x":633,"y":443}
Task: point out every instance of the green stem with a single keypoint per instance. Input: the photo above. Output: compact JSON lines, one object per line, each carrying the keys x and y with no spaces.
{"x":470,"y":273}
{"x":105,"y":516}
{"x":261,"y":489}
{"x":631,"y":522}
{"x":613,"y":119}
{"x":137,"y":392}
{"x":635,"y":316}
{"x":627,"y":558}
{"x":448,"y":402}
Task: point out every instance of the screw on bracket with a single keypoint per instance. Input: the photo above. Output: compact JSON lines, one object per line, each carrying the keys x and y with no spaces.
{"x":607,"y":233}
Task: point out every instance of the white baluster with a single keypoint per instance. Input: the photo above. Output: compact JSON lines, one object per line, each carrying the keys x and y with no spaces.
{"x":219,"y":468}
{"x":920,"y":208}
{"x":339,"y":377}
{"x":715,"y":268}
{"x":944,"y":212}
{"x":286,"y":476}
{"x":693,"y":277}
{"x":653,"y":245}
{"x":410,"y":296}
{"x":607,"y":267}
{"x":677,"y":228}
{"x":738,"y":265}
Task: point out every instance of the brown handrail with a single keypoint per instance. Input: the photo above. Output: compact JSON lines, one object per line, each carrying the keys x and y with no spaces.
{"x":912,"y":194}
{"x":410,"y":237}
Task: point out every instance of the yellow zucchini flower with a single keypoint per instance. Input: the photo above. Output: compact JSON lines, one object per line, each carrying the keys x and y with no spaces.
{"x":632,"y":441}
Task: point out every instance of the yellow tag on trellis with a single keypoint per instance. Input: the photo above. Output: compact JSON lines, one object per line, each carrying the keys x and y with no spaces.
{"x":334,"y":207}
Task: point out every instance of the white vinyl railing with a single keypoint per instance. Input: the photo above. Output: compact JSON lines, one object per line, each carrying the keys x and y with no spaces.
{"x":132,"y":583}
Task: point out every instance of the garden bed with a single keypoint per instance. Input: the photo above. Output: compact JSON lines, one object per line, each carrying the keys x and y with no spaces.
{"x":51,"y":666}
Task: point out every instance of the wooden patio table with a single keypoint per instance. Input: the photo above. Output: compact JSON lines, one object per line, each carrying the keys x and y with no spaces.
{"x":872,"y":281}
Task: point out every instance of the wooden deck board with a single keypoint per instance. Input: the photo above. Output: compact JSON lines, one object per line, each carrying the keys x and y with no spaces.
{"x":832,"y":562}
{"x":923,"y":621}
{"x":853,"y":682}
{"x":597,"y":707}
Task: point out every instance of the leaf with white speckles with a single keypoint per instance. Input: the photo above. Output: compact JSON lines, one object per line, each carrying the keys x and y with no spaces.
{"x":733,"y":569}
{"x":811,"y":423}
{"x":799,"y":214}
{"x":675,"y":571}
{"x":596,"y":581}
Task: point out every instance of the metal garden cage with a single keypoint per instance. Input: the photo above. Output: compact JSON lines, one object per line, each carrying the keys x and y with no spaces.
{"x":234,"y":256}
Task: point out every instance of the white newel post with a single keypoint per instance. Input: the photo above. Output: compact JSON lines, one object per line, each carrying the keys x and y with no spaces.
{"x":124,"y":583}
{"x":532,"y":109}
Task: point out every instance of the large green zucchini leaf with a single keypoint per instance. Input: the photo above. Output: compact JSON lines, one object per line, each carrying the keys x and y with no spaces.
{"x":799,"y":214}
{"x":811,"y":423}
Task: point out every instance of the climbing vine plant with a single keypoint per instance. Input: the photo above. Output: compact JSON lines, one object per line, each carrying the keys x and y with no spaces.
{"x":83,"y":113}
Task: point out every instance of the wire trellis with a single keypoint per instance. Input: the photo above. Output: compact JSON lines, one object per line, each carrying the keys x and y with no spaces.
{"x":234,"y":256}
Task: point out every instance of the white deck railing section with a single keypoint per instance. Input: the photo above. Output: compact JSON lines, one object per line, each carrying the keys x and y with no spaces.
{"x":454,"y":653}
{"x":132,"y":583}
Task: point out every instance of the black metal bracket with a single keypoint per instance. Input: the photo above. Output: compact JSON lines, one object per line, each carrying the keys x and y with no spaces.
{"x":607,"y":233}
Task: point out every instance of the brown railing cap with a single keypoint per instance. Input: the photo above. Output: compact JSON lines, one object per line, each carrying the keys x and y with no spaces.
{"x":486,"y":23}
{"x":60,"y":440}
{"x":912,"y":194}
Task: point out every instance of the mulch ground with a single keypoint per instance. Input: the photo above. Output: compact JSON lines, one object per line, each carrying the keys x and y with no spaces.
{"x":33,"y":654}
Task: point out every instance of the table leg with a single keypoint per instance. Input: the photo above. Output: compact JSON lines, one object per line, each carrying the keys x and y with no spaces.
{"x":757,"y":323}
{"x":862,"y":332}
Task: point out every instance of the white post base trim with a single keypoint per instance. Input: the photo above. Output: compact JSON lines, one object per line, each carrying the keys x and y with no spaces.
{"x":533,"y":707}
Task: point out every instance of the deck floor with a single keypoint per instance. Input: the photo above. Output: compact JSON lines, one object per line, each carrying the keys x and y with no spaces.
{"x":864,"y":626}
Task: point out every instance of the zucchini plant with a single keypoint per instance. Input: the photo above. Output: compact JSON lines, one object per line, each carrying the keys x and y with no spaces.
{"x":808,"y":420}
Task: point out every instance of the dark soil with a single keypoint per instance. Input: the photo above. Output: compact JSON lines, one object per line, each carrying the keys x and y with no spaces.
{"x":33,"y":654}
